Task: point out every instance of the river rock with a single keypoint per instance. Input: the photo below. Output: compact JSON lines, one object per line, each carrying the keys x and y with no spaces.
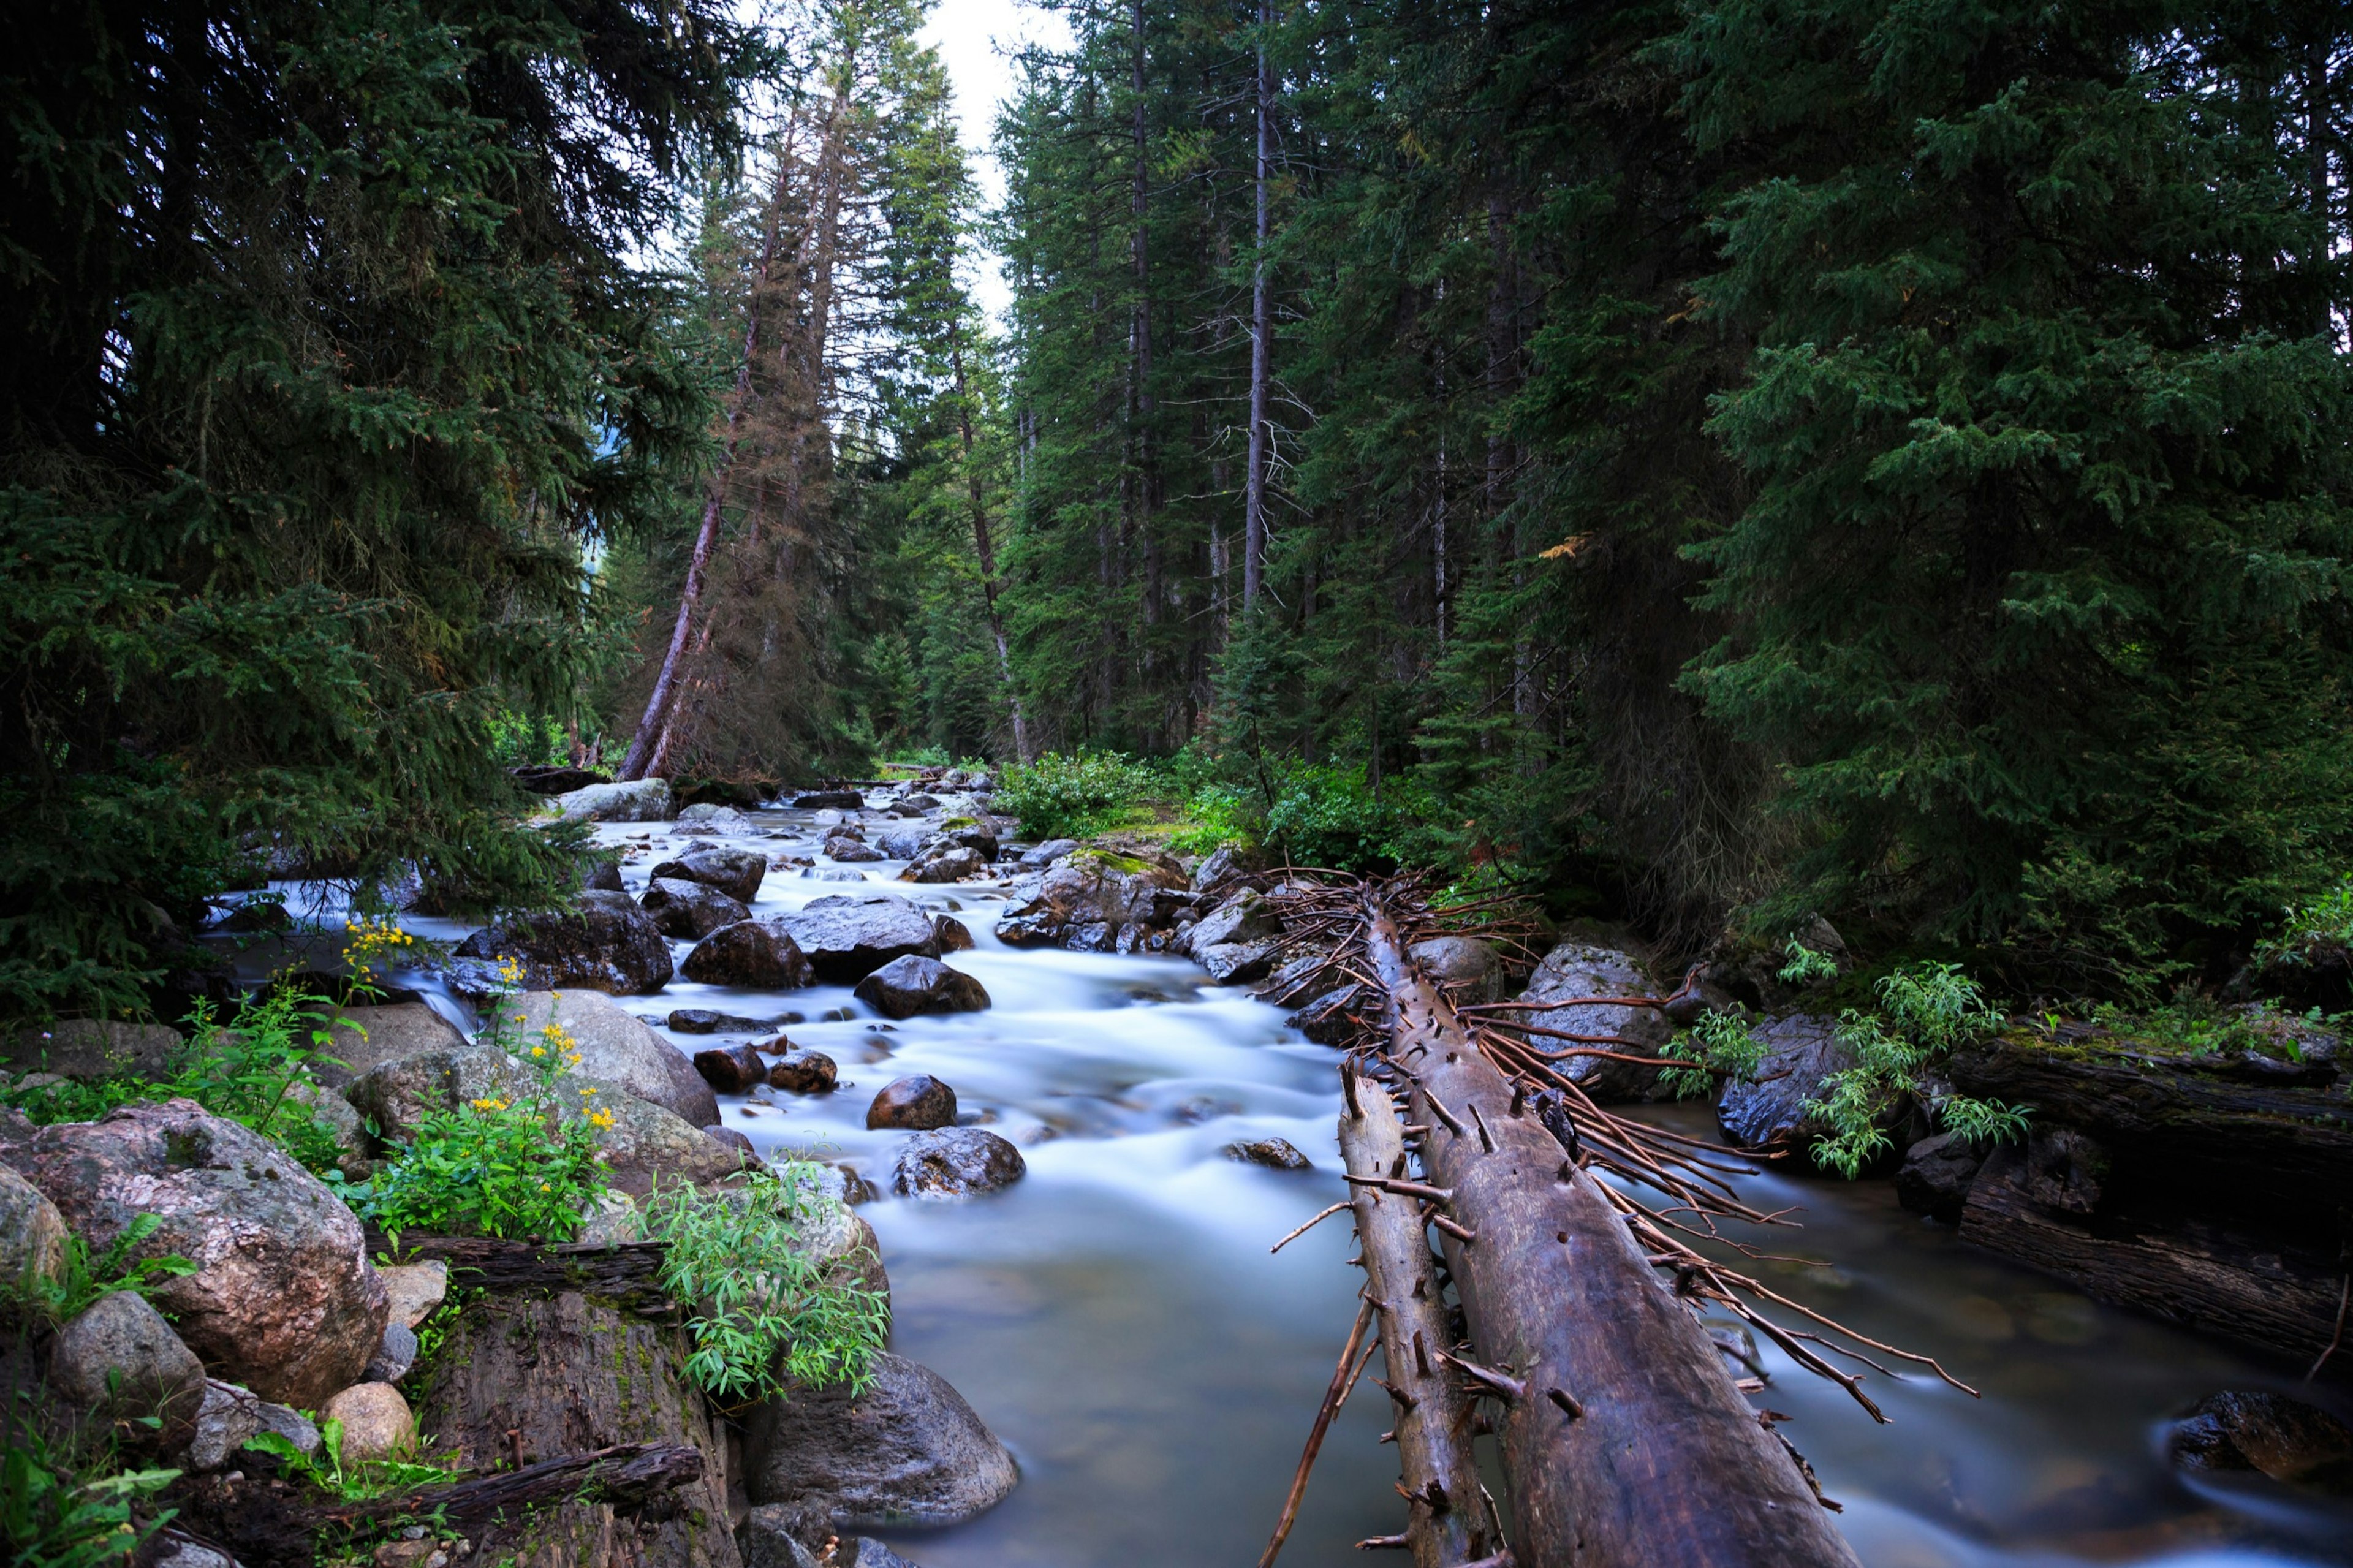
{"x":283,"y":1299}
{"x":2284,"y":1439}
{"x":847,"y":850}
{"x":703,"y":1021}
{"x":645,"y":1144}
{"x":1330,"y":1019}
{"x":1244,"y":916}
{"x":396,"y":1096}
{"x":734,"y":872}
{"x":638,"y":800}
{"x":804,"y":1072}
{"x":1769,"y":1115}
{"x":1275,"y":1153}
{"x":377,"y":1424}
{"x":32,"y":1235}
{"x":909,"y":1450}
{"x":713,"y":817}
{"x":950,"y":863}
{"x":903,"y":843}
{"x":1040,"y":856}
{"x":117,"y":1364}
{"x":1237,"y":962}
{"x":366,"y":1037}
{"x":606,"y":944}
{"x":849,"y":936}
{"x":86,"y":1049}
{"x":394,"y":1355}
{"x":906,"y":986}
{"x":823,"y":799}
{"x":953,"y":936}
{"x":1582,"y":969}
{"x":613,"y":1048}
{"x":1936,"y":1175}
{"x":1469,"y":969}
{"x":228,"y":1415}
{"x":1103,"y":886}
{"x":752,"y":955}
{"x":731,"y":1070}
{"x":414,"y":1290}
{"x":770,"y":1535}
{"x":332,"y":1113}
{"x":865,"y":1551}
{"x":602,"y":876}
{"x":967,"y":833}
{"x":1223,"y":865}
{"x":955,"y":1162}
{"x":689,"y":911}
{"x":917,"y":1104}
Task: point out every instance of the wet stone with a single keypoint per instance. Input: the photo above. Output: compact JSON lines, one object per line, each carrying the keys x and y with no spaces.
{"x":917,"y":1104}
{"x":955,"y":1162}
{"x":703,"y":1021}
{"x":731,"y":1070}
{"x":1276,"y":1153}
{"x":2282,"y":1437}
{"x":906,"y":986}
{"x":804,"y":1072}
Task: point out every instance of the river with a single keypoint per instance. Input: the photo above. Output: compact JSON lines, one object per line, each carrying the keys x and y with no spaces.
{"x":1116,"y":1316}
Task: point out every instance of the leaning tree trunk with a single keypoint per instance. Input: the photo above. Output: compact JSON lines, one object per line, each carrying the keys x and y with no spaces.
{"x":527,"y":1378}
{"x":1624,"y":1441}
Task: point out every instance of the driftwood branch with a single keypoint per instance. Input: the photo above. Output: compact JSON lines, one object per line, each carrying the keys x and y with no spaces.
{"x":624,"y":1476}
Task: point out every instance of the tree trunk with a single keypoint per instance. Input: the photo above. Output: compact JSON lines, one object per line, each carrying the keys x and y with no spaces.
{"x":1261,"y":324}
{"x":1623,"y":1439}
{"x":987,"y":553}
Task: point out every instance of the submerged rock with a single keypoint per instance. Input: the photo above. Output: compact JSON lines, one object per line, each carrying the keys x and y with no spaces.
{"x":906,"y":986}
{"x":731,"y":1070}
{"x":909,"y":1450}
{"x":1275,"y":1153}
{"x":804,"y":1072}
{"x":2287,"y":1439}
{"x":955,"y":1162}
{"x":753,"y":955}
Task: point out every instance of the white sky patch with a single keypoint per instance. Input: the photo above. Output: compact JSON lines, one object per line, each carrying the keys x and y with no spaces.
{"x":976,"y":40}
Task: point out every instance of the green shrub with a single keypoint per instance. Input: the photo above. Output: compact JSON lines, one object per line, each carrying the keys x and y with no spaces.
{"x":767,"y":1313}
{"x":2326,"y":922}
{"x":82,"y":1278}
{"x":1071,"y":794}
{"x":1925,"y":1010}
{"x":1218,"y":814}
{"x":50,"y":1517}
{"x":515,"y":1169}
{"x":1719,"y":1046}
{"x":1327,"y":815}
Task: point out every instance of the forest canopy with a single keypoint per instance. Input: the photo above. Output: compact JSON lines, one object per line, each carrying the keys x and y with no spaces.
{"x":1709,"y":463}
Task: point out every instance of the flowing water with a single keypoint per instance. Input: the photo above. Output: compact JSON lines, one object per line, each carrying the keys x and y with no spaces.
{"x":1117,"y":1318}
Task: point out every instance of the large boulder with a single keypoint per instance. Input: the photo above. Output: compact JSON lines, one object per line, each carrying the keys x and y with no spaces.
{"x":734,"y":872}
{"x":32,"y":1235}
{"x":1102,"y":886}
{"x":283,"y":1298}
{"x":367,"y":1037}
{"x":1237,"y":962}
{"x":2285,"y":1439}
{"x":1245,"y":917}
{"x":613,"y":1048}
{"x":645,"y":1144}
{"x":908,"y":1450}
{"x":917,"y":1104}
{"x":849,"y":936}
{"x":906,"y":986}
{"x":756,"y":955}
{"x":1040,"y":856}
{"x":639,"y":800}
{"x":91,"y":1049}
{"x":1770,"y":1114}
{"x":954,"y":1163}
{"x":396,"y":1096}
{"x":1936,"y":1176}
{"x":1469,"y":969}
{"x":1577,"y":969}
{"x":689,"y":911}
{"x":947,"y":863}
{"x":604,"y":943}
{"x":116,"y":1367}
{"x":903,"y":843}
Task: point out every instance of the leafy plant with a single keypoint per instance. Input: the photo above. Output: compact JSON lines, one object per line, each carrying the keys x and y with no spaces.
{"x":1720,"y":1045}
{"x":768,"y":1313}
{"x":1071,"y":794}
{"x":1216,"y":814}
{"x":519,"y":1168}
{"x":52,"y":1518}
{"x":1805,"y":965}
{"x":1328,"y":815}
{"x":353,"y":1481}
{"x":2326,"y":921}
{"x":1925,"y":1010}
{"x":82,"y":1278}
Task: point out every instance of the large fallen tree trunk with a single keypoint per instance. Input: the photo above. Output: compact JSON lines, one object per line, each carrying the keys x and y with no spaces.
{"x":1623,"y":1439}
{"x":1445,"y":1524}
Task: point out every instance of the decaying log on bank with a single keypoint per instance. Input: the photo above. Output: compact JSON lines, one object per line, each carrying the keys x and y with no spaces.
{"x":625,"y":1476}
{"x":626,"y":1274}
{"x":1445,"y":1519}
{"x":1623,"y":1439}
{"x":526,"y":1378}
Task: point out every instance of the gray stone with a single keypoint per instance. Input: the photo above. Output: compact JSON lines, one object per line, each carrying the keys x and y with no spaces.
{"x":32,"y":1233}
{"x":1769,"y":1115}
{"x":333,"y":1112}
{"x":950,"y":863}
{"x":603,"y":943}
{"x":1330,"y":1019}
{"x":90,"y":1048}
{"x":703,"y":1021}
{"x":955,"y":1162}
{"x":865,"y":1551}
{"x":752,"y":955}
{"x":715,"y":818}
{"x":228,"y":1417}
{"x":769,"y":1538}
{"x":1936,"y":1176}
{"x":283,"y":1299}
{"x":645,"y":1143}
{"x":689,"y":911}
{"x":615,"y":1048}
{"x":909,"y":1450}
{"x":1236,"y":962}
{"x":1046,"y":854}
{"x":1100,"y":886}
{"x":291,"y":1424}
{"x":638,"y":800}
{"x":1276,"y":1153}
{"x":734,"y":872}
{"x":1577,"y":969}
{"x":178,"y":1553}
{"x":903,"y":843}
{"x":917,"y":1104}
{"x":367,"y":1037}
{"x":849,"y":936}
{"x":117,"y":1363}
{"x":906,"y":986}
{"x":847,"y":850}
{"x":1244,"y":917}
{"x":396,"y":1097}
{"x":1469,"y":968}
{"x":414,"y":1290}
{"x":378,"y":1422}
{"x":1223,"y":865}
{"x":394,"y":1356}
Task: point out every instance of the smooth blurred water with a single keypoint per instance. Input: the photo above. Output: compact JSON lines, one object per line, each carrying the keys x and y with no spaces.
{"x":1117,"y":1319}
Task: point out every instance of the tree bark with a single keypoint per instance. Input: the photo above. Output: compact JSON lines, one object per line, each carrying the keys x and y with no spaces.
{"x":986,"y":552}
{"x":1623,"y":1439}
{"x":1261,"y":324}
